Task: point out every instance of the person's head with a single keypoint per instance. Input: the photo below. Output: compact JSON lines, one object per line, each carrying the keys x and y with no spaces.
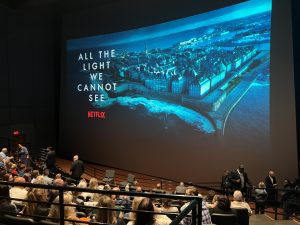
{"x":35,"y":173}
{"x":104,"y":215}
{"x":138,"y":189}
{"x":238,"y":196}
{"x":158,"y":186}
{"x":113,"y":196}
{"x":8,"y":177}
{"x":261,"y":184}
{"x":93,"y":183}
{"x":223,"y":203}
{"x":210,"y":195}
{"x":75,"y":157}
{"x":58,"y":176}
{"x":50,"y":148}
{"x":143,"y":218}
{"x":181,"y":184}
{"x":39,"y":180}
{"x":58,"y":182}
{"x":82,"y":184}
{"x":271,"y":173}
{"x":46,"y":172}
{"x":241,"y":168}
{"x":4,"y":150}
{"x":191,"y":190}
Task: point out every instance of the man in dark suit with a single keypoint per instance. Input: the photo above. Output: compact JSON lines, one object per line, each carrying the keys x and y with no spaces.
{"x":77,"y":168}
{"x":239,"y":179}
{"x":50,"y":160}
{"x":271,"y":184}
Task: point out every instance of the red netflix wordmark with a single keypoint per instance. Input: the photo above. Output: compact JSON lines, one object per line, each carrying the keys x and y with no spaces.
{"x":96,"y":114}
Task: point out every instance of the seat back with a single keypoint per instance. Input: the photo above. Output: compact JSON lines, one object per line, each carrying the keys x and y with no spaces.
{"x":242,"y":216}
{"x":224,"y":219}
{"x":14,"y":220}
{"x":130,"y":178}
{"x":109,"y":173}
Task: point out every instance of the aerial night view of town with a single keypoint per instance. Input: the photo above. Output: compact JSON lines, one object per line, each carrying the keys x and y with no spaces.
{"x":196,"y":69}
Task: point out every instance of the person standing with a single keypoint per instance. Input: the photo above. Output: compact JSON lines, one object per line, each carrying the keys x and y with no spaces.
{"x":50,"y":160}
{"x":271,"y":184}
{"x":23,"y":154}
{"x":239,"y":179}
{"x":77,"y":168}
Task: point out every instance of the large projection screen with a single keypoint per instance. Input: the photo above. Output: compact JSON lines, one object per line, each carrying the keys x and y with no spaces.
{"x":186,"y":98}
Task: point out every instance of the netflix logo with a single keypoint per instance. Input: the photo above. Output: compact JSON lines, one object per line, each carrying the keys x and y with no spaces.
{"x":96,"y":114}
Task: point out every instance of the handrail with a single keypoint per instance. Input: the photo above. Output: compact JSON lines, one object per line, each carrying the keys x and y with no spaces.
{"x":195,"y":201}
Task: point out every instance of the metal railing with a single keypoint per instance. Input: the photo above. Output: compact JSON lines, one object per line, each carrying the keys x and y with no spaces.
{"x":195,"y":205}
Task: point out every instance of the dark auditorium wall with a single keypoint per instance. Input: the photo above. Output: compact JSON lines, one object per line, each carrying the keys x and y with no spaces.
{"x":29,"y":72}
{"x":296,"y":47}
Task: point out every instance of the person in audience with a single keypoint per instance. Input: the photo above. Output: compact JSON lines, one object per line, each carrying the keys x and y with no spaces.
{"x":261,"y":196}
{"x":180,"y":189}
{"x":158,"y":189}
{"x":149,"y":217}
{"x":18,"y":191}
{"x":206,"y":219}
{"x":47,"y":179}
{"x":138,"y":189}
{"x":271,"y":184}
{"x":167,"y":207}
{"x":222,"y":206}
{"x":34,"y":175}
{"x":5,"y":205}
{"x":77,"y":168}
{"x":52,"y":194}
{"x":69,"y":211}
{"x":135,"y":203}
{"x":39,"y":208}
{"x":122,"y":201}
{"x":21,"y":169}
{"x":239,"y":203}
{"x":107,"y":216}
{"x":213,"y":202}
{"x":3,"y":155}
{"x":12,"y":168}
{"x":8,"y":177}
{"x":209,"y":197}
{"x":27,"y":177}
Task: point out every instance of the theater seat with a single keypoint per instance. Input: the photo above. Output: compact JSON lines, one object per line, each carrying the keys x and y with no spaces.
{"x":130,"y":180}
{"x":14,"y":220}
{"x":224,"y":219}
{"x":109,"y":177}
{"x":242,"y":216}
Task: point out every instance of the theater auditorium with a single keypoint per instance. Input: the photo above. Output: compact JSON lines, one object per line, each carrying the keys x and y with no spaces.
{"x":139,"y":112}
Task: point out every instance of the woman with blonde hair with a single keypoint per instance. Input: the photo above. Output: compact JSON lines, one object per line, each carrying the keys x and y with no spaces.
{"x":261,"y":197}
{"x":69,"y":211}
{"x":39,"y":207}
{"x":104,"y":214}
